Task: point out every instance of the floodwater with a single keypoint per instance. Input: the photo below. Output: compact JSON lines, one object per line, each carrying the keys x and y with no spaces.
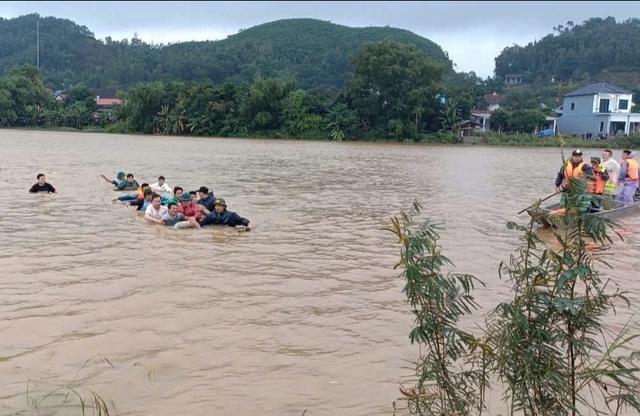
{"x":304,"y":312}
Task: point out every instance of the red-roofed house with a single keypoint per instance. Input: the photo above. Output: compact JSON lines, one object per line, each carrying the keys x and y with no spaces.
{"x":493,"y":101}
{"x":482,"y":118}
{"x":105,"y":105}
{"x":107,"y":102}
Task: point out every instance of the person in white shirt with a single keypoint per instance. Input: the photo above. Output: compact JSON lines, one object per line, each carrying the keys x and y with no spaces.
{"x":613,"y":168}
{"x":156,"y":210}
{"x":161,"y":185}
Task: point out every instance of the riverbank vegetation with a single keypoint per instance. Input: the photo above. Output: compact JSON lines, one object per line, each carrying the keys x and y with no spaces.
{"x":44,"y":398}
{"x":294,"y":78}
{"x":548,"y":349}
{"x":561,"y":140}
{"x":393,"y":95}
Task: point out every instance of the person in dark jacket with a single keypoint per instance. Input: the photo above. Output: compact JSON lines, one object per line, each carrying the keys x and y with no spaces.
{"x":129,"y":183}
{"x":207,"y":198}
{"x":220,"y":216}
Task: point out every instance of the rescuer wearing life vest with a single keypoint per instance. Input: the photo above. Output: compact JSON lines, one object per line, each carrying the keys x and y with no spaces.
{"x":574,"y":168}
{"x":628,"y":177}
{"x":596,"y":187}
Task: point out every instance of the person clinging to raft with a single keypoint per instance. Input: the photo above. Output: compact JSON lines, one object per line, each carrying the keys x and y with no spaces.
{"x":221,"y":216}
{"x":120,"y":177}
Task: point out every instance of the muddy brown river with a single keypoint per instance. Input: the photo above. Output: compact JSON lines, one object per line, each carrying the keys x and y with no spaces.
{"x":304,"y":312}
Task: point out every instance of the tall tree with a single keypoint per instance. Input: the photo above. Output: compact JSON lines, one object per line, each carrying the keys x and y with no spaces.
{"x":394,"y":82}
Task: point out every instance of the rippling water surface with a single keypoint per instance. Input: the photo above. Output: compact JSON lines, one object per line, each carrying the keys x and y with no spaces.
{"x":304,"y":312}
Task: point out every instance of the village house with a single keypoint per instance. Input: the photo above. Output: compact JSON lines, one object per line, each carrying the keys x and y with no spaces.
{"x":493,"y":101}
{"x":600,"y":109}
{"x":105,"y":106}
{"x":481,"y":119}
{"x":466,"y":128}
{"x":107,"y":103}
{"x":58,"y":96}
{"x":513,"y":79}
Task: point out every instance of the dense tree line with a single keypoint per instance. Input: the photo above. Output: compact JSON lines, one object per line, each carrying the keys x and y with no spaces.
{"x":299,"y":78}
{"x":572,"y":56}
{"x":576,"y":51}
{"x":319,"y":57}
{"x":395,"y":93}
{"x":24,"y":100}
{"x":316,"y":53}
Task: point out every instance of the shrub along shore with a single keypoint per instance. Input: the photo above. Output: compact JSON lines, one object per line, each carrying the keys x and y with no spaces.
{"x":440,"y":138}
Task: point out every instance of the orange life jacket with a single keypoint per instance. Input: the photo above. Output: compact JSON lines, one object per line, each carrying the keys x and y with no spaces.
{"x":597,"y":186}
{"x":141,"y":192}
{"x":632,"y":170}
{"x":571,"y":172}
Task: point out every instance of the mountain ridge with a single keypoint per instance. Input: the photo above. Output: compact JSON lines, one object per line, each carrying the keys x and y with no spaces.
{"x":315,"y":52}
{"x":589,"y":51}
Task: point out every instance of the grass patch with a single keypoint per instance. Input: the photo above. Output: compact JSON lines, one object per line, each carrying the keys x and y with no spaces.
{"x":528,"y":140}
{"x":69,"y":396}
{"x":439,"y":138}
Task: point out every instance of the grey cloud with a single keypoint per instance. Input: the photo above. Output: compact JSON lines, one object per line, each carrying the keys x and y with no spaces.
{"x":423,"y":17}
{"x":472,"y":32}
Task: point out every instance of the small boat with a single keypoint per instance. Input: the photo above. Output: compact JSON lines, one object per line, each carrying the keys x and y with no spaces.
{"x":544,"y":217}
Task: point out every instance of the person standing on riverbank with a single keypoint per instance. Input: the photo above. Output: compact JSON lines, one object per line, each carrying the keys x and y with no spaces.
{"x":42,"y":185}
{"x":628,"y":177}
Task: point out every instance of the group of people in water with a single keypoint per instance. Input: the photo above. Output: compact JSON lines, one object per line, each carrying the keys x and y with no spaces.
{"x":165,"y":206}
{"x":195,"y":209}
{"x":603,"y":177}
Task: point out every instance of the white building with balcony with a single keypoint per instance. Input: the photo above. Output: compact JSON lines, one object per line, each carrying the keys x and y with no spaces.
{"x":598,"y":108}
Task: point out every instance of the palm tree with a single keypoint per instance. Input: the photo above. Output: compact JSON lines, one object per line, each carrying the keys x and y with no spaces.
{"x":163,"y":120}
{"x":450,"y":114}
{"x":33,"y":114}
{"x":79,"y":114}
{"x":197,"y":125}
{"x":178,"y":121}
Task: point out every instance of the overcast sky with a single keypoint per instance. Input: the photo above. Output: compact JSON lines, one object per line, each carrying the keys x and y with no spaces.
{"x":473,"y":33}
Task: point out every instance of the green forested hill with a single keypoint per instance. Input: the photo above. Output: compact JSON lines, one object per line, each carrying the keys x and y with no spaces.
{"x":317,"y":53}
{"x":596,"y":48}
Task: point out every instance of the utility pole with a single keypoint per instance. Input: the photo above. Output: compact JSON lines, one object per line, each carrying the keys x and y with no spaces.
{"x":38,"y":41}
